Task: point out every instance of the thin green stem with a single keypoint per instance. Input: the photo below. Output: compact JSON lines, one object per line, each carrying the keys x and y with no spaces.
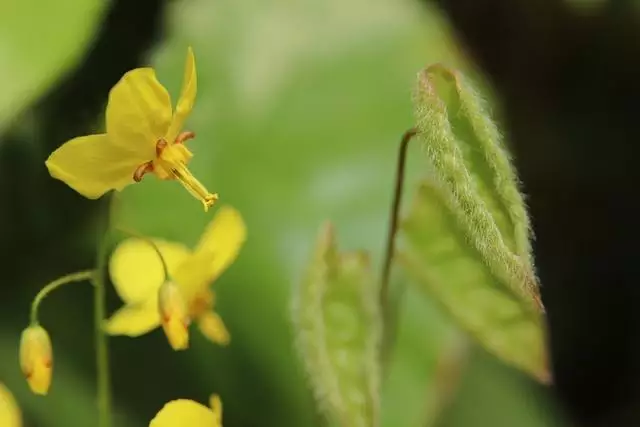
{"x":101,"y":338}
{"x":151,"y":243}
{"x":50,"y":287}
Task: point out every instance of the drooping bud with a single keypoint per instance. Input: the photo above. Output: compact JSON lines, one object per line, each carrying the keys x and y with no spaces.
{"x":174,"y":314}
{"x":36,"y":358}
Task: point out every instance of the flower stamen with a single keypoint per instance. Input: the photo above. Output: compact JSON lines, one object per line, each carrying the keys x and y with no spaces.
{"x":184,"y":136}
{"x":142,"y":169}
{"x":193,"y":186}
{"x":160,"y":146}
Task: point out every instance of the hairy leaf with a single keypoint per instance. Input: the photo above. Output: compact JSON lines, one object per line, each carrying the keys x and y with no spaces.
{"x":454,"y":272}
{"x":475,"y":176}
{"x":338,"y":329}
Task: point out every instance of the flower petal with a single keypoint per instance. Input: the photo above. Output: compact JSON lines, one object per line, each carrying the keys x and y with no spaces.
{"x":185,"y":413}
{"x":212,"y":327}
{"x":10,"y":415}
{"x":136,"y":270}
{"x":226,"y":229}
{"x":187,"y":97}
{"x":215,"y":403}
{"x":134,"y":320}
{"x":218,"y":248}
{"x":93,"y":165}
{"x":138,"y":112}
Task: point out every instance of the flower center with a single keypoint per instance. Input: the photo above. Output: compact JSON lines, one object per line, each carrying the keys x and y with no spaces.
{"x":171,"y":163}
{"x":201,"y":303}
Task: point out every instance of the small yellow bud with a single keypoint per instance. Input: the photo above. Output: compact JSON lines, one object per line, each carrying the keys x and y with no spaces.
{"x":174,"y":314}
{"x":36,"y":358}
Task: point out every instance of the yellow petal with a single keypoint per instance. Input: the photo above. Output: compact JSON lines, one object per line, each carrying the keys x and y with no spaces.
{"x":187,"y":97}
{"x":138,"y":112}
{"x":10,"y":415}
{"x":218,"y":248}
{"x":93,"y":165}
{"x":174,"y":315}
{"x":212,"y":327}
{"x":136,"y":270}
{"x":185,"y":413}
{"x":134,"y":320}
{"x":215,"y":403}
{"x":226,"y":229}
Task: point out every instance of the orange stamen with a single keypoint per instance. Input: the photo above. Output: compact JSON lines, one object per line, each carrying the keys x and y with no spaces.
{"x":142,"y":169}
{"x":160,"y":146}
{"x":184,"y":136}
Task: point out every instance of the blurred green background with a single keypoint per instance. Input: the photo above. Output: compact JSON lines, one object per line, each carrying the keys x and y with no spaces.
{"x":300,"y":108}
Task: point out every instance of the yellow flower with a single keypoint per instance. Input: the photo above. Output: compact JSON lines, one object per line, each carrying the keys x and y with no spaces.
{"x":143,"y":135}
{"x":137,"y":274}
{"x":187,"y":413}
{"x":36,"y":358}
{"x":10,"y":415}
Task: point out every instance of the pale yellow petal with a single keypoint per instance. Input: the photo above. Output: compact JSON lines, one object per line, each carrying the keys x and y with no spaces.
{"x":136,"y":270}
{"x":138,"y":112}
{"x":218,"y":248}
{"x":10,"y":415}
{"x":212,"y":327}
{"x":93,"y":165}
{"x":215,"y":403}
{"x":226,"y":229}
{"x":185,"y":413}
{"x":187,"y":97}
{"x":174,"y":315}
{"x":134,"y":320}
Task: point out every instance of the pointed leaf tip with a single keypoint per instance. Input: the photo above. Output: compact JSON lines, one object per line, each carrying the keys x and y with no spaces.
{"x":473,"y":171}
{"x":448,"y":268}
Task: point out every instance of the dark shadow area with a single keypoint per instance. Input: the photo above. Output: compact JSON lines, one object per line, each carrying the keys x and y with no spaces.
{"x":567,"y":82}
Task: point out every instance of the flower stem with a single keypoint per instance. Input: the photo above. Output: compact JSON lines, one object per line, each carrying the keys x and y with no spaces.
{"x":395,"y":213}
{"x":50,"y":287}
{"x":389,"y":310}
{"x":101,"y":338}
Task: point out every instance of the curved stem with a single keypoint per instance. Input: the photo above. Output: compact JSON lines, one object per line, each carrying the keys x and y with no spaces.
{"x":151,"y":243}
{"x":52,"y":286}
{"x":395,"y":214}
{"x":389,"y":311}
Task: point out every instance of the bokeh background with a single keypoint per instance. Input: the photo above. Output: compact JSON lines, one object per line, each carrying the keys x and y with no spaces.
{"x":300,"y":108}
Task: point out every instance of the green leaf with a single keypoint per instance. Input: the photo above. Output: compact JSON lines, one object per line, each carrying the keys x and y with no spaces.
{"x":474,"y":173}
{"x":454,"y":272}
{"x":489,"y":163}
{"x":31,"y":62}
{"x":337,"y":320}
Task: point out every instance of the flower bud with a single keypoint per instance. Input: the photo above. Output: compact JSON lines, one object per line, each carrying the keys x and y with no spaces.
{"x":36,"y":358}
{"x":174,"y":315}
